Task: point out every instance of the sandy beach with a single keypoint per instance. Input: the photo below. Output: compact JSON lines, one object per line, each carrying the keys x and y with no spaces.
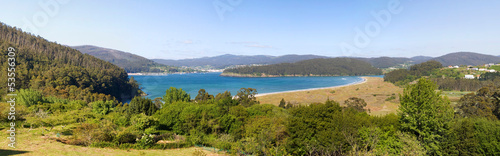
{"x":310,"y":89}
{"x":382,"y":97}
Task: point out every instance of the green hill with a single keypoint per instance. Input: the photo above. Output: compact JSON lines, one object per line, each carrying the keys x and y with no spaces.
{"x":61,"y":71}
{"x":223,"y":61}
{"x":130,"y":62}
{"x":313,"y":67}
{"x":467,"y":58}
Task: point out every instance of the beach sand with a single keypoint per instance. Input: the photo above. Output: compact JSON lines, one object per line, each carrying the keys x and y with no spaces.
{"x":376,"y":93}
{"x":310,"y":89}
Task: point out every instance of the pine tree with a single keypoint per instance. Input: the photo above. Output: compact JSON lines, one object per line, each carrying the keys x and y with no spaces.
{"x":282,"y":103}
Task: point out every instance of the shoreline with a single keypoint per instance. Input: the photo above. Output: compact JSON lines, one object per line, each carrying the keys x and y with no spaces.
{"x":364,"y":80}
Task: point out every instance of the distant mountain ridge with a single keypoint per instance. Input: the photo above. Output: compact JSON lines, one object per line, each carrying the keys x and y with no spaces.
{"x":222,"y":61}
{"x":466,"y":58}
{"x":226,"y":60}
{"x":130,"y":62}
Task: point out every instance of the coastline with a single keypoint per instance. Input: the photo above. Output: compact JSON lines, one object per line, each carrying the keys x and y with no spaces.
{"x":364,"y":80}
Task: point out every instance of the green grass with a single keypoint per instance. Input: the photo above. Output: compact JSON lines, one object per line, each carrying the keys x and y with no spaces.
{"x":497,"y":68}
{"x":33,"y":143}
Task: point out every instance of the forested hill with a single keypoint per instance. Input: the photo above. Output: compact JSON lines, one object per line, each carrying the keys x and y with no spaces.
{"x":224,"y":61}
{"x":130,"y":62}
{"x":385,"y":62}
{"x":466,"y":58}
{"x":313,"y":67}
{"x":60,"y":71}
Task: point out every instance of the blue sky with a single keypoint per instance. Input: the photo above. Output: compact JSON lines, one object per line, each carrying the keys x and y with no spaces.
{"x":189,"y":29}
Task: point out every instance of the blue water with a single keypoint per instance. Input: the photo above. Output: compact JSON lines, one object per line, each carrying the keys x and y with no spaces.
{"x":156,"y":85}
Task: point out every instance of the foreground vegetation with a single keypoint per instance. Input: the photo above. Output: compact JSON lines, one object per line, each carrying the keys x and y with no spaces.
{"x":426,"y":124}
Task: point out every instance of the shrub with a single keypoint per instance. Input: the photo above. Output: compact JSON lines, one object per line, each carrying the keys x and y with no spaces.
{"x":146,"y":141}
{"x":101,"y":107}
{"x":125,"y":137}
{"x":29,"y":97}
{"x":88,"y":133}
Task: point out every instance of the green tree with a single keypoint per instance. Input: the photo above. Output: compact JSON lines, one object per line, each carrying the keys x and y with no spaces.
{"x":246,"y":97}
{"x":141,"y":105}
{"x":173,"y":95}
{"x":282,"y":103}
{"x":101,"y":107}
{"x":484,"y":103}
{"x":356,"y":103}
{"x":203,"y":96}
{"x":29,"y":97}
{"x":424,"y":113}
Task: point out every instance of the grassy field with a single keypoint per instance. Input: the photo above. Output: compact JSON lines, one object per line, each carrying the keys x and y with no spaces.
{"x":374,"y":91}
{"x":33,"y":143}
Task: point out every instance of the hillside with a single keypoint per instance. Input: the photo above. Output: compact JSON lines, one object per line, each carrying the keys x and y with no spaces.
{"x":130,"y":62}
{"x":466,"y":58}
{"x":224,"y":61}
{"x":385,"y":62}
{"x":420,"y":59}
{"x":60,"y":71}
{"x":313,"y":67}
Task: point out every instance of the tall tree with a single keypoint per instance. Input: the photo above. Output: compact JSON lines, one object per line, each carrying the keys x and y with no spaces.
{"x":282,"y":103}
{"x":173,"y":95}
{"x":246,"y":97}
{"x":424,"y":113}
{"x":203,"y":96}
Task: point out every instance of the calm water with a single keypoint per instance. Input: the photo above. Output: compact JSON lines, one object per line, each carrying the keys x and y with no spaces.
{"x":156,"y":86}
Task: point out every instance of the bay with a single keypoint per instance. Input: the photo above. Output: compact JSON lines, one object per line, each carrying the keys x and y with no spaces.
{"x":156,"y":85}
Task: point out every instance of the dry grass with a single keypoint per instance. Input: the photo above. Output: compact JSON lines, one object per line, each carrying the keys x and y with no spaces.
{"x":374,"y":91}
{"x":33,"y":143}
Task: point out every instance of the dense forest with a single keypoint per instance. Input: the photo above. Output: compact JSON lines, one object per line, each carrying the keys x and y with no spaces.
{"x":61,"y":71}
{"x":313,"y":67}
{"x":130,"y":62}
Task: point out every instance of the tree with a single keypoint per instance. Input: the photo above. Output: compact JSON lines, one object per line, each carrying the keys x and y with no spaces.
{"x":29,"y":97}
{"x":282,"y":103}
{"x":203,"y":96}
{"x":356,"y":103}
{"x":142,"y":105}
{"x":424,"y":113}
{"x":101,"y":107}
{"x":484,"y":103}
{"x":174,"y":95}
{"x":246,"y":97}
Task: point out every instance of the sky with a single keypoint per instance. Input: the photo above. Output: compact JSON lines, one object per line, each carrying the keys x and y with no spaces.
{"x":180,"y":29}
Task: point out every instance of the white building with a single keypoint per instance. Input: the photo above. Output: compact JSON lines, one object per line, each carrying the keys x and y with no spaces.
{"x":469,"y":77}
{"x":492,"y":71}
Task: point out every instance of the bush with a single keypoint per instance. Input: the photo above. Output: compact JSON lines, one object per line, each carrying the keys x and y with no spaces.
{"x":101,"y":144}
{"x":101,"y":107}
{"x":125,"y":137}
{"x":29,"y":97}
{"x":88,"y":133}
{"x":146,"y":141}
{"x":390,"y":98}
